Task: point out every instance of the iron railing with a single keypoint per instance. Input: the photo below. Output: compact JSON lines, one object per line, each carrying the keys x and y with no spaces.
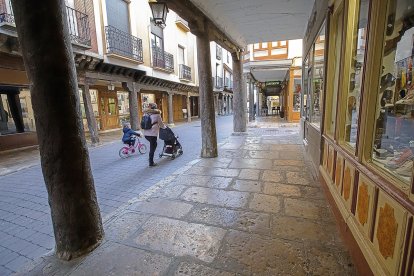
{"x":162,"y":59}
{"x":219,"y":52}
{"x":79,"y":30}
{"x":185,"y":72}
{"x":218,"y":82}
{"x":122,"y":43}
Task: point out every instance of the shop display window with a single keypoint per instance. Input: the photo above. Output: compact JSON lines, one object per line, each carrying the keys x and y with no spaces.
{"x":393,"y":148}
{"x":336,"y":50}
{"x":318,"y":78}
{"x":359,"y":37}
{"x":94,"y":96}
{"x":305,"y":99}
{"x":297,"y":90}
{"x":123,"y":107}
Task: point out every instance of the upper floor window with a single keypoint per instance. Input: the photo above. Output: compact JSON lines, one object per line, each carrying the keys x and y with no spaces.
{"x":181,"y":55}
{"x":118,"y":14}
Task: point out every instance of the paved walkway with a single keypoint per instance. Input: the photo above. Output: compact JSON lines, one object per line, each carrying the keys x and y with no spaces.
{"x":255,"y":210}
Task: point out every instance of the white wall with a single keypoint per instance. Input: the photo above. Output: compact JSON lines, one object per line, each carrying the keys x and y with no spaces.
{"x":295,"y":48}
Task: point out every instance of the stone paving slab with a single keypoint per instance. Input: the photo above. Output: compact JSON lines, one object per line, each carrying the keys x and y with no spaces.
{"x":222,"y":217}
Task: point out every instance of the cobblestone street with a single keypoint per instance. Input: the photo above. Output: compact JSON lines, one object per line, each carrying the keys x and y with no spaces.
{"x":25,"y":224}
{"x":254,"y":210}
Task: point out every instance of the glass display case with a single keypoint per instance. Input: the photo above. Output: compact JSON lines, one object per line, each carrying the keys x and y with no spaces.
{"x":359,"y":37}
{"x":393,"y":144}
{"x":318,"y":72}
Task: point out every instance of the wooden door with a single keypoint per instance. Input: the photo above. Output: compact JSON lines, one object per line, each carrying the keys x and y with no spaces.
{"x":109,"y":111}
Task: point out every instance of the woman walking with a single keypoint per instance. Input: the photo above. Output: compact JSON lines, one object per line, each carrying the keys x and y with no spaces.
{"x":151,"y":124}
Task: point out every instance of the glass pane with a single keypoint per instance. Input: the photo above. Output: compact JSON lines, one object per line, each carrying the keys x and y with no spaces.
{"x":337,"y":26}
{"x":394,"y":126}
{"x":318,"y":78}
{"x":355,"y":78}
{"x":305,"y":88}
{"x":111,"y":106}
{"x":123,"y":103}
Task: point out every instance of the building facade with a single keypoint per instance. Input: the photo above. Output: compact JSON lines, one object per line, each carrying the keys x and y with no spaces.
{"x":357,"y":124}
{"x":118,"y":52}
{"x":222,"y":76}
{"x":275,"y":68}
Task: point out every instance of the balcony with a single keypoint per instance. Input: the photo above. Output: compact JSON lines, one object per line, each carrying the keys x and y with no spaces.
{"x":182,"y":24}
{"x":218,"y":82}
{"x":120,"y":43}
{"x":185,"y":72}
{"x":219,"y":52}
{"x":162,"y":60}
{"x":79,"y":30}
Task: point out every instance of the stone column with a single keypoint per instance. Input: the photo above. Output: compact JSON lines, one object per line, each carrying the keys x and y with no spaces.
{"x":228,"y":104}
{"x":50,"y":66}
{"x":90,"y":116}
{"x":208,"y":120}
{"x":133,"y":104}
{"x":215,"y":104}
{"x":240,"y":99}
{"x":257,"y":101}
{"x":231,"y":104}
{"x":16,"y":110}
{"x":188,"y":108}
{"x":170,"y":109}
{"x":251,"y":101}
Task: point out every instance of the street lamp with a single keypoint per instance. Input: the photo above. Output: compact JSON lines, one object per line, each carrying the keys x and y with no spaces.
{"x":159,"y":11}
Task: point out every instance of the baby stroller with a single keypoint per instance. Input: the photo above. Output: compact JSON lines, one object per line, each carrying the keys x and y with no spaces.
{"x":171,"y":147}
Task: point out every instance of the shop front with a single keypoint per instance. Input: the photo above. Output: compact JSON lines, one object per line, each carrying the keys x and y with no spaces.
{"x":358,"y":111}
{"x":294,"y":93}
{"x":157,"y":97}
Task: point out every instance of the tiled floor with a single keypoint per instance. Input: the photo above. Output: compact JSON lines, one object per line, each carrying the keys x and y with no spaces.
{"x":254,"y":210}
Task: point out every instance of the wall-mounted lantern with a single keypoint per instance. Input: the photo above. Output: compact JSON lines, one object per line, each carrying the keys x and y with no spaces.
{"x":159,"y":11}
{"x":111,"y":86}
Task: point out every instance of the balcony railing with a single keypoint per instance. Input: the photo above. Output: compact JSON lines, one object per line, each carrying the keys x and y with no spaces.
{"x":78,"y":27}
{"x":218,"y":82}
{"x":6,"y":18}
{"x":185,"y":72}
{"x":162,"y":59}
{"x":122,"y":43}
{"x":219,"y":52}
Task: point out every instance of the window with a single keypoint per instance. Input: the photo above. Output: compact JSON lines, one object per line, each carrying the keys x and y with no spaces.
{"x":256,"y":46}
{"x":335,"y":54}
{"x":111,"y":106}
{"x":264,"y":44}
{"x":282,"y":43}
{"x":297,"y":90}
{"x":118,"y":14}
{"x":181,"y":56}
{"x":317,"y":84}
{"x":394,"y":126}
{"x":156,"y":41}
{"x":305,"y":99}
{"x":356,"y":73}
